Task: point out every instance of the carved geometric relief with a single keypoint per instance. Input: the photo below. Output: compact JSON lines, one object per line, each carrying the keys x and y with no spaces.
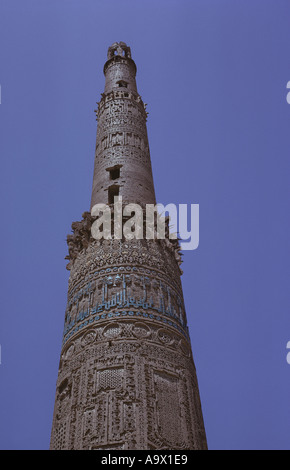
{"x":89,"y":422}
{"x":88,"y":338}
{"x":112,"y":331}
{"x":69,"y":352}
{"x":168,"y":407}
{"x":140,"y":330}
{"x":109,"y":379}
{"x":165,"y":337}
{"x":94,"y":422}
{"x":60,"y":435}
{"x":185,"y":348}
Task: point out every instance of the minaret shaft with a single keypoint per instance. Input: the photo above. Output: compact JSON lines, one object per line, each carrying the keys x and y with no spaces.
{"x":126,"y":377}
{"x":122,"y":158}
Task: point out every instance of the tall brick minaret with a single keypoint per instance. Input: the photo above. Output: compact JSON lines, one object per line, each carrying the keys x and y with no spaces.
{"x":126,"y":376}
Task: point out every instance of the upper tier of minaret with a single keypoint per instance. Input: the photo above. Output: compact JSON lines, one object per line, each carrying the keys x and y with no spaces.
{"x":120,"y":69}
{"x":122,"y":159}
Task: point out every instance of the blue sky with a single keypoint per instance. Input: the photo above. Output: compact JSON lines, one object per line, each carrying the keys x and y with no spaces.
{"x":214,"y":75}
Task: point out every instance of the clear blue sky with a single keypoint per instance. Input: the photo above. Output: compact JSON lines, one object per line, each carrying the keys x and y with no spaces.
{"x":214,"y":75}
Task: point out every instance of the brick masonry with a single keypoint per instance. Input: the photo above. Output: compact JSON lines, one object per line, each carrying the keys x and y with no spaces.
{"x":126,"y":377}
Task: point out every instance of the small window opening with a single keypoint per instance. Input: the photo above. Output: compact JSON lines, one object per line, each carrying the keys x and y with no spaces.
{"x":113,"y":191}
{"x":122,"y":84}
{"x":63,"y":385}
{"x":114,"y":173}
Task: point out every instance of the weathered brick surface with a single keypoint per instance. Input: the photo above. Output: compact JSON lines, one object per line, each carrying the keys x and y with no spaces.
{"x":126,"y":377}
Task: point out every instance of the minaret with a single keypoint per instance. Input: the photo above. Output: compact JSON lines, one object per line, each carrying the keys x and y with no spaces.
{"x":126,"y":377}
